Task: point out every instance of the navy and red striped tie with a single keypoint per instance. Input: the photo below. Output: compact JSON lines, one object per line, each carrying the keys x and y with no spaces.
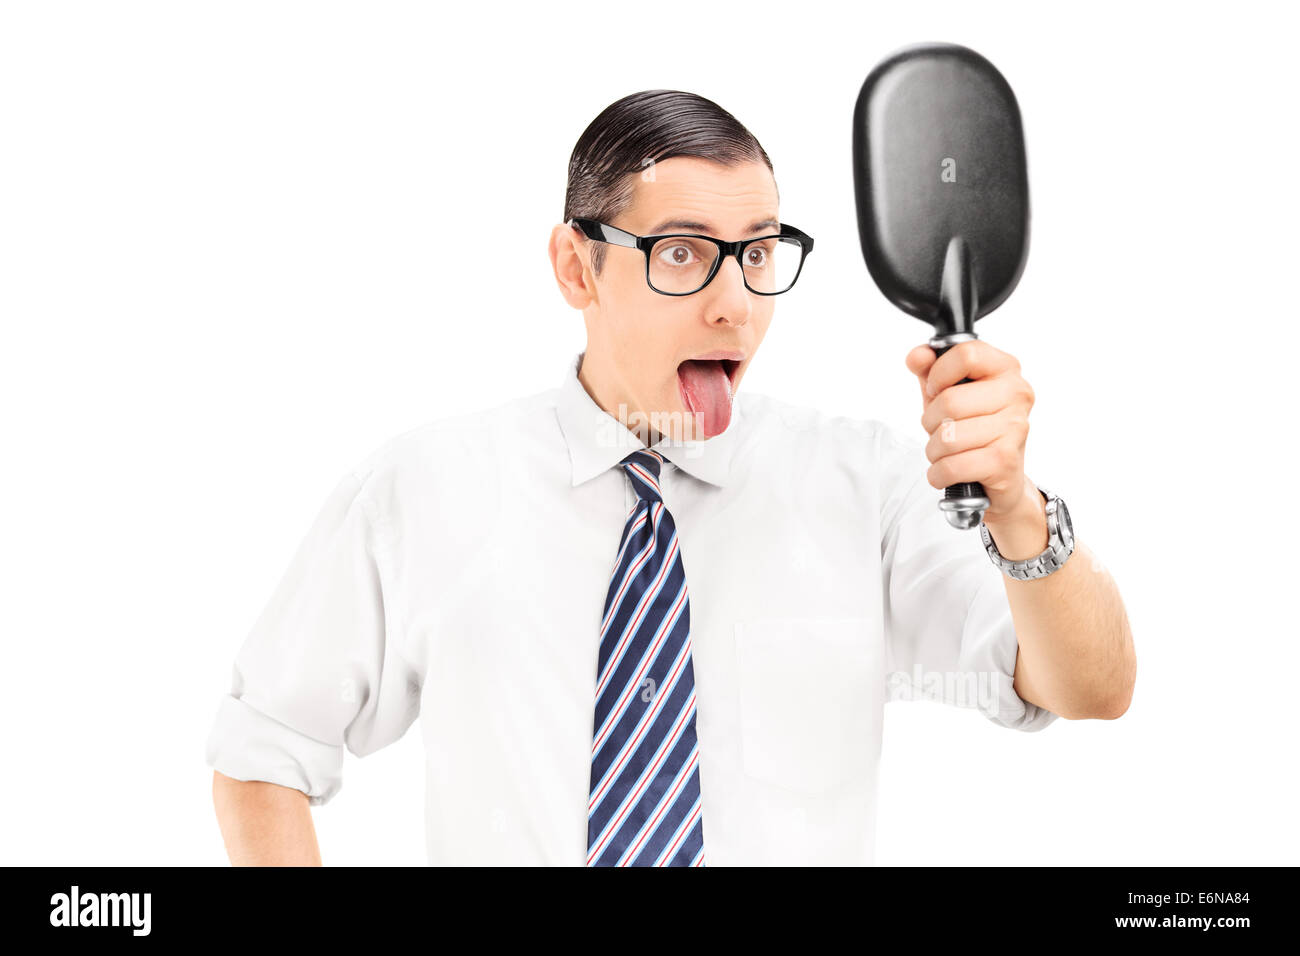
{"x":645,"y":777}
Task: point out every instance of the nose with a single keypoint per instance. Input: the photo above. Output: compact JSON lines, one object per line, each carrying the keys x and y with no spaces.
{"x":731,"y":300}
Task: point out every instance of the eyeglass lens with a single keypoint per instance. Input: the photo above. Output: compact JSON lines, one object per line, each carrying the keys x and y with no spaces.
{"x":680,"y":264}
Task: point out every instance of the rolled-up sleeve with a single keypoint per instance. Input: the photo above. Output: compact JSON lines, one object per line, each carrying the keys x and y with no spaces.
{"x":949,"y":633}
{"x":323,"y":668}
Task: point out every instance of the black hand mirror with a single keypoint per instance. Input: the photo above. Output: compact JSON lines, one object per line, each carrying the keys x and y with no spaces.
{"x":943,"y":198}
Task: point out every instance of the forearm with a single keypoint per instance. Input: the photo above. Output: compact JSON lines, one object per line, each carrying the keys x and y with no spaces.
{"x":264,"y":824}
{"x":1076,"y":655}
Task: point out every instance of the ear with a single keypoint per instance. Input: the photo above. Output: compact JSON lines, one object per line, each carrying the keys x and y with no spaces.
{"x":569,"y":260}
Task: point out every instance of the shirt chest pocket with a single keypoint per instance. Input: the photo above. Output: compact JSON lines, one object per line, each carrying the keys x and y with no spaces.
{"x":811,"y":701}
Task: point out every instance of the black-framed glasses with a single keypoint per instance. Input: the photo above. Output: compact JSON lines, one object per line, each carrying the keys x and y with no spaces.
{"x":684,"y":263}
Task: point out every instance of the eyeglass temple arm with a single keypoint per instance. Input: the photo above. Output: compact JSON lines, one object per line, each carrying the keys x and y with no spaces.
{"x":610,"y":234}
{"x":805,"y":240}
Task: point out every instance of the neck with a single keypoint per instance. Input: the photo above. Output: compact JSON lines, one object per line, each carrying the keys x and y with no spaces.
{"x":602,"y":385}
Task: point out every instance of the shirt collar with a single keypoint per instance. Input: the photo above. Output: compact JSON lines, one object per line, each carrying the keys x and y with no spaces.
{"x":598,"y":442}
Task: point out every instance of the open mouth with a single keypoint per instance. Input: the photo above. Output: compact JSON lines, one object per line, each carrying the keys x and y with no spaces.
{"x":707,"y":385}
{"x":728,"y":366}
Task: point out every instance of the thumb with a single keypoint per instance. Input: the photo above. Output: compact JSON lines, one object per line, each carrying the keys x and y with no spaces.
{"x":919,"y":362}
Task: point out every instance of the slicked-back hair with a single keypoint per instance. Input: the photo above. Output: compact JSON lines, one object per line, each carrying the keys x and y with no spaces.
{"x":641,"y":128}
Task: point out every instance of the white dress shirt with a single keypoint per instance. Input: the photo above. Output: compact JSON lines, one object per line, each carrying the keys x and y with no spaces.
{"x":458,"y":574}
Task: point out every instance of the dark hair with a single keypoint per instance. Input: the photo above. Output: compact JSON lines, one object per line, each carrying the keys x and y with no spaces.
{"x":629,"y":133}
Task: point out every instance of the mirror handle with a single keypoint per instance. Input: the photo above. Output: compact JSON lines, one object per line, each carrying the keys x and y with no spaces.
{"x":964,"y":503}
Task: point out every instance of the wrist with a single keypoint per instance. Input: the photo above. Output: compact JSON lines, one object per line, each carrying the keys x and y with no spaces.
{"x":1022,"y":533}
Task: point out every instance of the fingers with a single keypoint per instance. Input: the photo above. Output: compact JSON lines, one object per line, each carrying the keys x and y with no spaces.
{"x":993,"y":465}
{"x":952,"y":437}
{"x":970,"y":399}
{"x":974,"y":359}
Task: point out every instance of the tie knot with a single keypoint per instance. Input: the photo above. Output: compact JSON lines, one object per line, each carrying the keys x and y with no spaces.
{"x":643,"y":468}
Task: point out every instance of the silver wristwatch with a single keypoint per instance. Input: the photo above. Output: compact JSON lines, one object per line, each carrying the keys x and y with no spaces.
{"x":1060,"y":543}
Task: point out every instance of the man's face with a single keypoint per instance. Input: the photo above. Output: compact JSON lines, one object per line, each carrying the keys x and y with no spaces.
{"x":640,"y":343}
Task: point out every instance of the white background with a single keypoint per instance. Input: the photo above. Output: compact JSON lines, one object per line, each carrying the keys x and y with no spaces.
{"x":241,"y":244}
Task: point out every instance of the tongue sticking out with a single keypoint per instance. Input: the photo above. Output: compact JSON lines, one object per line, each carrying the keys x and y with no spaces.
{"x":706,"y":391}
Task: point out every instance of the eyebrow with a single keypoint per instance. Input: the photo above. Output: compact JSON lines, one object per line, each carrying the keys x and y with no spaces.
{"x":704,"y":227}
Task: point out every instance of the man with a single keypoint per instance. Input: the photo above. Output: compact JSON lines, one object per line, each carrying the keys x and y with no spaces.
{"x":647,"y":619}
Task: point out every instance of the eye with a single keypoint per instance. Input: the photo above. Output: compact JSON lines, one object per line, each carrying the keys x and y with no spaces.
{"x":759,"y":255}
{"x":677,"y":254}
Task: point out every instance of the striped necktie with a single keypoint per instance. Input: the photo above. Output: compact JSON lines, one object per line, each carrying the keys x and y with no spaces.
{"x":645,"y":777}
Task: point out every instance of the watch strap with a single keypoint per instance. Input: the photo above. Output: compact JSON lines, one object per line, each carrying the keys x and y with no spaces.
{"x":1058,"y":549}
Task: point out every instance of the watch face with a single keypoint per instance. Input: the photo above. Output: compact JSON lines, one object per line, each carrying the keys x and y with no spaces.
{"x":1063,"y":516}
